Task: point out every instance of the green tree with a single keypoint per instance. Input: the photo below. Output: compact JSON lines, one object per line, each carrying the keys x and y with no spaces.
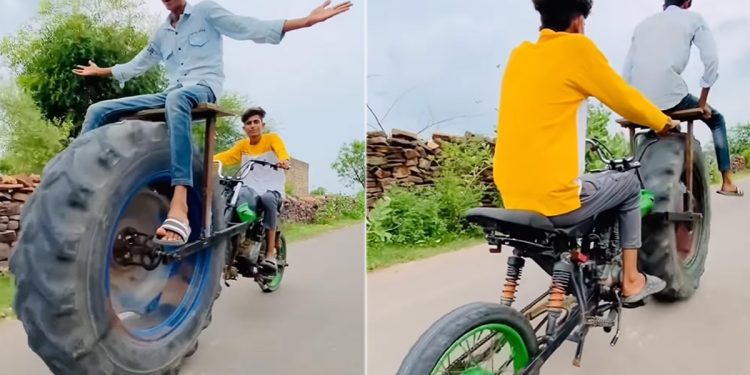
{"x":596,"y":128}
{"x":739,"y":139}
{"x":350,"y":164}
{"x":318,"y":191}
{"x":28,"y":139}
{"x":228,"y":129}
{"x":67,"y":33}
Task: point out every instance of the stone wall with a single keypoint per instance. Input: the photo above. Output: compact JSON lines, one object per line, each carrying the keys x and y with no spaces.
{"x":14,"y":192}
{"x":399,"y":159}
{"x":738,"y":163}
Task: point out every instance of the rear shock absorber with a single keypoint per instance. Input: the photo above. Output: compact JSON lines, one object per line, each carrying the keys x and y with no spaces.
{"x":561,"y":275}
{"x":512,"y":275}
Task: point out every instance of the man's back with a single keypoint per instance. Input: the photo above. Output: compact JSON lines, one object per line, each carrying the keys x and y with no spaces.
{"x":660,"y":52}
{"x":542,"y":121}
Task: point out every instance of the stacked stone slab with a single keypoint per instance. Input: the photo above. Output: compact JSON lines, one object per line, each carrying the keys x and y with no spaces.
{"x":403,"y":159}
{"x":14,"y":192}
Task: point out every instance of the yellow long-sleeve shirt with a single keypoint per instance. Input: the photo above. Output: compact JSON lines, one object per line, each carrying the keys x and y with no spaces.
{"x":541,"y":129}
{"x":270,"y":142}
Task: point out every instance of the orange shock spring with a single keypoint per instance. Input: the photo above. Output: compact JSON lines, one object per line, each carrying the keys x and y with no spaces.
{"x":512,"y":275}
{"x":558,"y":290}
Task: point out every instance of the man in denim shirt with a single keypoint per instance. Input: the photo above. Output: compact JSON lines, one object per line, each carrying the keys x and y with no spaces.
{"x":189,"y":43}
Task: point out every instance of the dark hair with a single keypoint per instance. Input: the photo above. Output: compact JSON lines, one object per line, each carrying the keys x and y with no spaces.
{"x":253,"y":111}
{"x":558,"y":14}
{"x":679,"y":3}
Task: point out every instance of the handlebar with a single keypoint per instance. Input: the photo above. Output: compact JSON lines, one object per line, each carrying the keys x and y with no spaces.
{"x":244,"y":168}
{"x":621,"y":165}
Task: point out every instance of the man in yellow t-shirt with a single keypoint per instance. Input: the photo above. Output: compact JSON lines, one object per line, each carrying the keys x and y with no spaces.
{"x":263,"y":188}
{"x":541,"y":132}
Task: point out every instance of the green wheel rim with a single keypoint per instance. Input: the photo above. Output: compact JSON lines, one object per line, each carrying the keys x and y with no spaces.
{"x":274,"y":283}
{"x":508,"y":336}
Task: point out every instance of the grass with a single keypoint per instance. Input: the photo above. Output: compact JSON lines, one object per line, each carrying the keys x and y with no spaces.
{"x":299,"y":232}
{"x":7,"y":290}
{"x":381,"y":257}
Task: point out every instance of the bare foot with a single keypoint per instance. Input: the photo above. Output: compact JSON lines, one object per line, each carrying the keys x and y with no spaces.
{"x":633,"y":286}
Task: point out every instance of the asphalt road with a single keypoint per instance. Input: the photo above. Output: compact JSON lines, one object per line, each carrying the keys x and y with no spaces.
{"x":709,"y":334}
{"x":314,"y":324}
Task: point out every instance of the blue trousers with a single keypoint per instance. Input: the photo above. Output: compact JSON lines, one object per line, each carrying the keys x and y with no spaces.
{"x":718,"y":130}
{"x":178,"y":102}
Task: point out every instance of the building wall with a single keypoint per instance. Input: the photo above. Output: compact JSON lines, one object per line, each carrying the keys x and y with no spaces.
{"x":298,"y":176}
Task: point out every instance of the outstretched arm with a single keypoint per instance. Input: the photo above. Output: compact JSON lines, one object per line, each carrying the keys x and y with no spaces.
{"x":262,"y":31}
{"x":141,"y":63}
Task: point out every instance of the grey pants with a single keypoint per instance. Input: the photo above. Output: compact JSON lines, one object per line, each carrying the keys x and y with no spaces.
{"x":604,"y":191}
{"x":268,"y":203}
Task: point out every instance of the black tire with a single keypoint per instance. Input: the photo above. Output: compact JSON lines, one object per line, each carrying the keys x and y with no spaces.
{"x":59,"y":263}
{"x":425,"y":354}
{"x":663,"y":172}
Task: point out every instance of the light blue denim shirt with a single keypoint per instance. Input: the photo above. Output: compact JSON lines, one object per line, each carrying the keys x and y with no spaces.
{"x":193,"y":51}
{"x":660,"y":52}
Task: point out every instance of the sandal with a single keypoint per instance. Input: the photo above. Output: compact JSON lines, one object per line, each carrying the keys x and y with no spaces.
{"x":736,"y":193}
{"x":653,"y":285}
{"x":177,"y":227}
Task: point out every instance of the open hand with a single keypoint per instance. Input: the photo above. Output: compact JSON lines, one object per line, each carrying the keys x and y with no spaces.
{"x":323,"y":13}
{"x":88,"y":71}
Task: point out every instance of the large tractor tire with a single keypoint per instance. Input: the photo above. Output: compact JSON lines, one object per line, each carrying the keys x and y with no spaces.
{"x":84,"y":311}
{"x":674,"y":251}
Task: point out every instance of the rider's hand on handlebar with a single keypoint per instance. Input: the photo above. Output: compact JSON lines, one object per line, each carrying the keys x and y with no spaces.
{"x":283,"y":164}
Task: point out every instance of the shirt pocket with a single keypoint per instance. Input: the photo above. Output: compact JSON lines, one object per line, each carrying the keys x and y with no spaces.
{"x":198,"y":38}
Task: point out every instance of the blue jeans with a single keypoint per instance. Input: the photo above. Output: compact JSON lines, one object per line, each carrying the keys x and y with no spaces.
{"x":718,"y":130}
{"x":178,"y":102}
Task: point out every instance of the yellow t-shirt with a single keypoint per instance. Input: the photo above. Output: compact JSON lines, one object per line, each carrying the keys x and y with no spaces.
{"x":270,"y":142}
{"x":541,"y":129}
{"x":270,"y":149}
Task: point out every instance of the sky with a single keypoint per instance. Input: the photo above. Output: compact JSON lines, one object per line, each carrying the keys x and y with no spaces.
{"x":445,"y":61}
{"x":311,"y":85}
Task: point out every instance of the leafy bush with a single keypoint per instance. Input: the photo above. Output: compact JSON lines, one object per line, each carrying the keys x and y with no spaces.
{"x":426,"y":215}
{"x":596,"y":128}
{"x":746,"y":155}
{"x":739,"y":139}
{"x":28,"y":139}
{"x":337,"y":207}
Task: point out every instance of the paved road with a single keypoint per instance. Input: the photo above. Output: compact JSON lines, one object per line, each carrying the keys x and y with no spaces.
{"x":710,"y":334}
{"x":314,"y":324}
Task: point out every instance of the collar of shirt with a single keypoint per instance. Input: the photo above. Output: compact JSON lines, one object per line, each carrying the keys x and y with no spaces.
{"x":185,"y":13}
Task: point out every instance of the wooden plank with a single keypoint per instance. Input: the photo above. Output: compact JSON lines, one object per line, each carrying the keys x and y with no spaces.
{"x":683,"y":115}
{"x":200,"y":112}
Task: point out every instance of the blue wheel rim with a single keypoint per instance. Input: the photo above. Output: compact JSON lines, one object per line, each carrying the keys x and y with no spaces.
{"x":149,"y":317}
